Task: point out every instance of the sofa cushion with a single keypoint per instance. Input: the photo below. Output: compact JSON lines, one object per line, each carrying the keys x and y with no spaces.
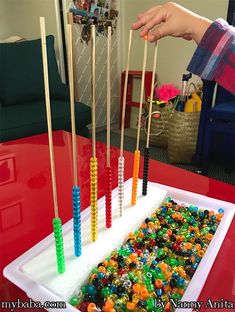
{"x":32,"y":116}
{"x":22,"y":72}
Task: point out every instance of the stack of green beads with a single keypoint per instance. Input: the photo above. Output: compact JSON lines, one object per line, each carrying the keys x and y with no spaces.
{"x":156,"y":263}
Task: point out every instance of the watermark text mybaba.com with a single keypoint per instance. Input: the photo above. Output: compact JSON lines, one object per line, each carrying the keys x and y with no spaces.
{"x":30,"y":304}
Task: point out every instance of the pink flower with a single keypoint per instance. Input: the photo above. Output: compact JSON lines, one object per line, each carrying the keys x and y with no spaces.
{"x":166,"y":92}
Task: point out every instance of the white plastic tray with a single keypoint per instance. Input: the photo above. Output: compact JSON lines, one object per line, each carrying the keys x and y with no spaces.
{"x":35,"y":271}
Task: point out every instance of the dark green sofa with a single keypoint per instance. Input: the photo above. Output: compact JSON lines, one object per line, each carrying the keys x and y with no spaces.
{"x":22,"y":106}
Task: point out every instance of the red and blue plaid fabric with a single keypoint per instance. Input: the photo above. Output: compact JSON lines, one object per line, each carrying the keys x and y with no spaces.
{"x":214,"y":58}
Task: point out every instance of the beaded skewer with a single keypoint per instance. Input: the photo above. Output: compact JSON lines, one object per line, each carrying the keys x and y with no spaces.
{"x":121,"y":158}
{"x":57,"y":225}
{"x":93,"y":160}
{"x":76,"y":189}
{"x":147,"y":148}
{"x":137,"y":151}
{"x":108,"y":196}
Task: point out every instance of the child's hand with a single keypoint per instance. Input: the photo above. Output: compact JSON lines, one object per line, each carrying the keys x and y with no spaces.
{"x":173,"y":20}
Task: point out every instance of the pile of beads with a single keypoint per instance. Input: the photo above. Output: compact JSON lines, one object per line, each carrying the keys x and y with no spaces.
{"x":156,"y":263}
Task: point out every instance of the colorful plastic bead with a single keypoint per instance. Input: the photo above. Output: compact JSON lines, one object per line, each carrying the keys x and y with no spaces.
{"x":91,"y":307}
{"x":131,"y":306}
{"x":74,"y":301}
{"x":158,"y":283}
{"x":157,"y":261}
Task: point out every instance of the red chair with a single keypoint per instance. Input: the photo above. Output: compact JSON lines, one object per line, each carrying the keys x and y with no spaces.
{"x":133,"y":74}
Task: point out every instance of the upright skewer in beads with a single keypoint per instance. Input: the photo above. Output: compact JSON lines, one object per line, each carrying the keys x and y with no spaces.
{"x":121,"y":161}
{"x":108,"y":195}
{"x":93,"y":198}
{"x":137,"y":151}
{"x":147,"y":148}
{"x":93,"y":160}
{"x":76,"y":188}
{"x":57,"y":225}
{"x":77,"y":221}
{"x":135,"y":177}
{"x":121,"y":158}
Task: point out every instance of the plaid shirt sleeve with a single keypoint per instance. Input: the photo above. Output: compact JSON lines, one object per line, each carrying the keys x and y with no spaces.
{"x":214,"y":58}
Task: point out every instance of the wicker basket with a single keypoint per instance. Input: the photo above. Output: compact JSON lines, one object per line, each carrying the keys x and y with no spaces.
{"x":159,"y":126}
{"x":182,"y":136}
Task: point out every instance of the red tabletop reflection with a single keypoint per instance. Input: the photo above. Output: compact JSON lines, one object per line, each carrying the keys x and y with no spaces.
{"x":26,"y":203}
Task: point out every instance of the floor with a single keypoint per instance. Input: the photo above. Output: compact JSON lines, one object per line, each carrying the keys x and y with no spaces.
{"x":216,"y":170}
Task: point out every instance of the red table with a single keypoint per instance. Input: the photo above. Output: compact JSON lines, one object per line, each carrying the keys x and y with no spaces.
{"x":26,"y":204}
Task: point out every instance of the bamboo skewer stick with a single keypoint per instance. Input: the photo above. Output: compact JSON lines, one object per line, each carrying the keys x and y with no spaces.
{"x":121,"y":158}
{"x":151,"y":93}
{"x":108,"y":196}
{"x":75,"y":76}
{"x":93,"y":160}
{"x":93,"y":74}
{"x":137,"y":151}
{"x":108,"y":95}
{"x":125,"y":93}
{"x":56,"y":221}
{"x":147,"y":148}
{"x":142,"y":90}
{"x":76,"y":189}
{"x":72,"y":107}
{"x":48,"y":110}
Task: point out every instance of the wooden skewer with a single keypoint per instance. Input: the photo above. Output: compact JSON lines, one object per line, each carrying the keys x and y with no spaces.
{"x":108,"y":195}
{"x":137,"y":151}
{"x":48,"y":110}
{"x":147,"y":148}
{"x":93,"y":91}
{"x":121,"y":159}
{"x":76,"y":189}
{"x":151,"y":93}
{"x":57,"y":224}
{"x":71,"y":91}
{"x":75,"y":76}
{"x":142,"y":92}
{"x":93,"y":160}
{"x":124,"y":93}
{"x":108,"y":95}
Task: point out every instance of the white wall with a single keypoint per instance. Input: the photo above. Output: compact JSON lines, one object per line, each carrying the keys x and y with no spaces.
{"x":5,"y":25}
{"x":21,"y":18}
{"x":174,"y":54}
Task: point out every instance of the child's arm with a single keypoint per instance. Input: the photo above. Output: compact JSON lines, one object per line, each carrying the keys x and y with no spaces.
{"x":214,"y":58}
